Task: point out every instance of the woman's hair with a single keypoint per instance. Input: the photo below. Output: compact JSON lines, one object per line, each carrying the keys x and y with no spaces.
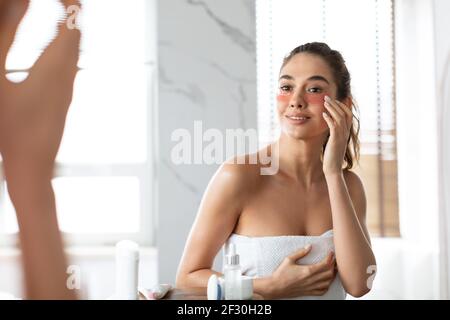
{"x":342,"y":79}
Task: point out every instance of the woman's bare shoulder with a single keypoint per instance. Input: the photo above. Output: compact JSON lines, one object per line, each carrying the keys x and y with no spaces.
{"x":233,"y":181}
{"x":243,"y":171}
{"x":241,"y":168}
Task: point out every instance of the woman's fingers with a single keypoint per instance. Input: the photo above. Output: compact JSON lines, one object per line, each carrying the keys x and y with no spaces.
{"x":11,"y":14}
{"x":68,"y":3}
{"x":300,"y":253}
{"x":333,"y":104}
{"x":58,"y":64}
{"x":329,"y":121}
{"x":346,"y":109}
{"x":318,"y":292}
{"x":333,"y":109}
{"x":323,"y":265}
{"x":332,"y":114}
{"x":59,"y":60}
{"x":321,"y":287}
{"x":340,"y":113}
{"x":326,"y":275}
{"x":321,"y":280}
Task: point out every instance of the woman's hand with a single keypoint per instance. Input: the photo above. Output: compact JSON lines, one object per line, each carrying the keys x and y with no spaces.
{"x":33,"y":112}
{"x":293,"y":280}
{"x":339,"y":121}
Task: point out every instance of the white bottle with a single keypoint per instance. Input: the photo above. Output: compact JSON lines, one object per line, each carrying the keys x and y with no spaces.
{"x":233,"y":276}
{"x":127,"y":269}
{"x":214,"y":290}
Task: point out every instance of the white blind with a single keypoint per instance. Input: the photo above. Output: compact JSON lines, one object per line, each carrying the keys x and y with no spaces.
{"x":362,"y":30}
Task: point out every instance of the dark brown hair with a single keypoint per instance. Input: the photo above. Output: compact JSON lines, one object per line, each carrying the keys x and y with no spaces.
{"x":341,"y":76}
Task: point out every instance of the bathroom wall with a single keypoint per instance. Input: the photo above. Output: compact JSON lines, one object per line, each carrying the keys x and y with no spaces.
{"x":207,"y":72}
{"x":442,"y":47}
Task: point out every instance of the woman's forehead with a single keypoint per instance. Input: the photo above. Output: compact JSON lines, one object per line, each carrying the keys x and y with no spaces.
{"x":303,"y":66}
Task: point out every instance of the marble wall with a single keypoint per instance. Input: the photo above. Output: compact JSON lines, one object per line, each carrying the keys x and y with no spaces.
{"x":207,"y":72}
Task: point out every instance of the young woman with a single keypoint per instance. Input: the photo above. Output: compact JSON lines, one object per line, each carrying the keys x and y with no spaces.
{"x":313,"y":199}
{"x":32,"y":118}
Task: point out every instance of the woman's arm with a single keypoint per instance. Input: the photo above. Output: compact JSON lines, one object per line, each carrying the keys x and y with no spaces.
{"x":353,"y":252}
{"x":44,"y":261}
{"x":32,"y":118}
{"x":354,"y":255}
{"x":216,"y":219}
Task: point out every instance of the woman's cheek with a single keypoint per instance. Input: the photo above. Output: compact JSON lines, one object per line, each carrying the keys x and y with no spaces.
{"x":283,"y":102}
{"x":283,"y":97}
{"x":315,"y":99}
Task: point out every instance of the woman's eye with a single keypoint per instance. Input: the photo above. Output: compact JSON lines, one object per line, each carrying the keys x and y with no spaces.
{"x":285,"y":88}
{"x":314,"y":90}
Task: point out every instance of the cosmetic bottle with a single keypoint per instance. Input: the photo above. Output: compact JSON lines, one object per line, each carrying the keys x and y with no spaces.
{"x":215,"y":290}
{"x":233,"y":276}
{"x":127,"y":269}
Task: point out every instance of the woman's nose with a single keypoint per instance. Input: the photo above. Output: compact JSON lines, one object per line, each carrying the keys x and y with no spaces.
{"x":297,"y":101}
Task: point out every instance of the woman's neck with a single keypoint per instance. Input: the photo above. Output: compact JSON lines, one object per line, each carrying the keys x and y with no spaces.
{"x":300,"y":158}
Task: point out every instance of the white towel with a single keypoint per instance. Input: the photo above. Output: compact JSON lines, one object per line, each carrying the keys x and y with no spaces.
{"x":261,"y":256}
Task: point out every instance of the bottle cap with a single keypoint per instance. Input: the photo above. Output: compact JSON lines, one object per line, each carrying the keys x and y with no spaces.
{"x":232,"y":258}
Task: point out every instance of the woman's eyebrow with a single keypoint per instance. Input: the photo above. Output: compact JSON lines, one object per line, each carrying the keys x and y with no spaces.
{"x":312,"y":78}
{"x":287,"y":77}
{"x":320,"y":78}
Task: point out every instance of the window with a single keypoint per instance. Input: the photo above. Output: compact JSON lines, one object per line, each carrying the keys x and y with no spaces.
{"x":363,"y":31}
{"x":104,"y":166}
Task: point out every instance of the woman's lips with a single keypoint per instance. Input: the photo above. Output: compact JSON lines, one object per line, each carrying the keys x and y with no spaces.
{"x":298,"y":119}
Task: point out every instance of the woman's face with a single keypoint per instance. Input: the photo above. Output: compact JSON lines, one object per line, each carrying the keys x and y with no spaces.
{"x":303,"y":84}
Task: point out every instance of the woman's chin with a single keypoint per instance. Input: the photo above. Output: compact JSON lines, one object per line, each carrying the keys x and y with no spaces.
{"x":300,"y":134}
{"x":297,"y":134}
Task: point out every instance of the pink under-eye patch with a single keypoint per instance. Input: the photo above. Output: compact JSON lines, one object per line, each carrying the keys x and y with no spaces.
{"x":283,"y":97}
{"x":316,"y":99}
{"x":310,"y":98}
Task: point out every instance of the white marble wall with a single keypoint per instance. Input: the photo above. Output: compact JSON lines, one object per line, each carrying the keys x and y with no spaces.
{"x":207,"y":71}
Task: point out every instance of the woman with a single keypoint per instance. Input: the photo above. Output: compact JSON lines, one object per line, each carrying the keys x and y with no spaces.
{"x":32,"y":119}
{"x":313,"y":198}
